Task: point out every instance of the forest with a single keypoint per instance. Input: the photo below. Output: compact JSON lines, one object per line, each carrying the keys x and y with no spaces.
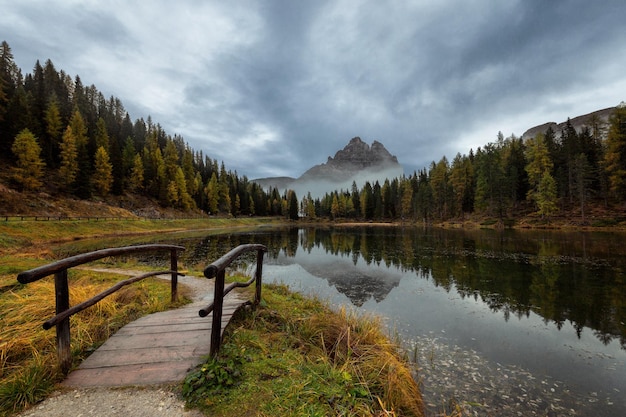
{"x":62,"y":136}
{"x":67,"y":138}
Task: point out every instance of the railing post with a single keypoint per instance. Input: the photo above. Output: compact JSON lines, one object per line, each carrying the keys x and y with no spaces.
{"x":174,"y":280}
{"x":62,"y":291}
{"x":218,"y":302}
{"x":258,"y":275}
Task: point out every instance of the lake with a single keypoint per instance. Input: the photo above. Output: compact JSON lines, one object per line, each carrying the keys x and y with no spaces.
{"x":501,"y":322}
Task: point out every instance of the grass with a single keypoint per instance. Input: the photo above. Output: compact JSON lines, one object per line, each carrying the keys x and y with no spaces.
{"x":294,"y":356}
{"x":290,"y":356}
{"x":28,"y":363}
{"x":19,"y":235}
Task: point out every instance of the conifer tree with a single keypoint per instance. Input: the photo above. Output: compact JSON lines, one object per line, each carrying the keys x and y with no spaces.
{"x":29,"y":166}
{"x":615,"y":157}
{"x":406,"y":206}
{"x":69,"y":163}
{"x":212,"y":193}
{"x":54,"y":127}
{"x":137,"y":174}
{"x":546,"y":195}
{"x":79,"y":130}
{"x":542,"y":186}
{"x":103,"y":172}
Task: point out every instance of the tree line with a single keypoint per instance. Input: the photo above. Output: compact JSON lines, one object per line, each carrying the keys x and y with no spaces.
{"x":546,"y":174}
{"x":53,"y":129}
{"x":57,"y":132}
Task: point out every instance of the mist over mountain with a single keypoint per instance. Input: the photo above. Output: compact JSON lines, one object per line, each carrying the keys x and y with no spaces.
{"x":356,"y":162}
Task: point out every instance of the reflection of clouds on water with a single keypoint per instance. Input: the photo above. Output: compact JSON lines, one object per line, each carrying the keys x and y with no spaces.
{"x":358,"y":281}
{"x":507,"y":364}
{"x":495,"y":307}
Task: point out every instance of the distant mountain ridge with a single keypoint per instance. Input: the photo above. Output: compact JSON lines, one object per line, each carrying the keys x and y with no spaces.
{"x":357,"y":161}
{"x":601,"y":117}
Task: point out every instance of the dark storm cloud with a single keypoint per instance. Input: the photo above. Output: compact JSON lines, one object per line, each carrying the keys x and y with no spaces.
{"x":273,"y":87}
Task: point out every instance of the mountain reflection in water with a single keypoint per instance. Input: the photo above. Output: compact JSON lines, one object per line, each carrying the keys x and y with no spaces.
{"x":549,"y":305}
{"x":562,"y":277}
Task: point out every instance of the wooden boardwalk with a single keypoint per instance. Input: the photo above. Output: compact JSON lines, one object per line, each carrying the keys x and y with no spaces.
{"x":160,"y":348}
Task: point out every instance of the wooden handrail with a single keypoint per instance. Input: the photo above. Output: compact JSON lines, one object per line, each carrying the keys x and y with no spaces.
{"x":93,"y":300}
{"x":217,"y":270}
{"x":35,"y":274}
{"x":61,"y":286}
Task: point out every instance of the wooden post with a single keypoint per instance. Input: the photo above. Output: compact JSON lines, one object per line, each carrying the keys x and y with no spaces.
{"x":174,"y":280}
{"x":218,"y":302}
{"x":259,"y":274}
{"x":62,"y":291}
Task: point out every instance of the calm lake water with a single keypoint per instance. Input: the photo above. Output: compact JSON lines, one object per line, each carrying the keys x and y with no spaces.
{"x":501,"y":322}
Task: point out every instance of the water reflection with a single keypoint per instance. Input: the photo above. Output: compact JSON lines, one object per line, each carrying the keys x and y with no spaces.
{"x":576,"y":278}
{"x":548,"y":307}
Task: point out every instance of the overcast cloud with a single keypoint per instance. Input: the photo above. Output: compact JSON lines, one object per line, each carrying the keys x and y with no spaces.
{"x":274,"y":87}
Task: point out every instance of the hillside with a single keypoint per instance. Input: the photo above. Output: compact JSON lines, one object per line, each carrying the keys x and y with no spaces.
{"x":598,"y":117}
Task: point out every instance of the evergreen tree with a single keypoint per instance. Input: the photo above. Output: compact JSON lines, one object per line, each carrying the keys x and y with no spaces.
{"x":356,"y":199}
{"x":79,"y":130}
{"x":583,"y":179}
{"x":546,"y":195}
{"x":184,"y":199}
{"x":615,"y":157}
{"x":69,"y":163}
{"x":407,"y":199}
{"x":29,"y":166}
{"x":54,"y":127}
{"x":441,"y":188}
{"x":462,"y":182}
{"x":293,"y":205}
{"x":137,"y":174}
{"x":212,"y":192}
{"x":103,"y":175}
{"x":542,"y":186}
{"x":377,"y":199}
{"x":334,"y":207}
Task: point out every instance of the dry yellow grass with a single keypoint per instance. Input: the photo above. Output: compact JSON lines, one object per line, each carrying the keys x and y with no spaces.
{"x":356,"y":344}
{"x":28,"y":363}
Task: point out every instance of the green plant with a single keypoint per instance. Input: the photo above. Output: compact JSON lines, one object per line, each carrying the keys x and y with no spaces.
{"x":29,"y":386}
{"x":211,"y":378}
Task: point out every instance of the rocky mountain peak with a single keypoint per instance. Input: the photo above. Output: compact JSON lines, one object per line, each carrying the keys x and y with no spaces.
{"x":360,"y":154}
{"x":356,"y":162}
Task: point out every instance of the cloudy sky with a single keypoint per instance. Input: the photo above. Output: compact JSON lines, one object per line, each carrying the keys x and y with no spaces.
{"x":274,"y":87}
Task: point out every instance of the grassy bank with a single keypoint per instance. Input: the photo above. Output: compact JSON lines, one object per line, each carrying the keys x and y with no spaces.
{"x":20,"y":236}
{"x":293,"y":356}
{"x":28,"y":362}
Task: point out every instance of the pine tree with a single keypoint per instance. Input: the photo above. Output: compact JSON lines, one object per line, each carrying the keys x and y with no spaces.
{"x":546,"y":195}
{"x":69,"y":163}
{"x":212,"y":193}
{"x":137,"y":174}
{"x":79,"y":130}
{"x":615,"y":157}
{"x":54,"y":127}
{"x":29,"y":166}
{"x":184,"y":199}
{"x":407,"y":199}
{"x":103,"y":172}
{"x":542,"y":186}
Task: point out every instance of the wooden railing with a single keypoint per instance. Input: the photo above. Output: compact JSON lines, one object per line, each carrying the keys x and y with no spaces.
{"x":63,"y":310}
{"x":217,"y":270}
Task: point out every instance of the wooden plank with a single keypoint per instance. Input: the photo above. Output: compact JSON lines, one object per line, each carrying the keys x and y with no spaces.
{"x":159,"y":348}
{"x":144,"y":374}
{"x":111,"y":358}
